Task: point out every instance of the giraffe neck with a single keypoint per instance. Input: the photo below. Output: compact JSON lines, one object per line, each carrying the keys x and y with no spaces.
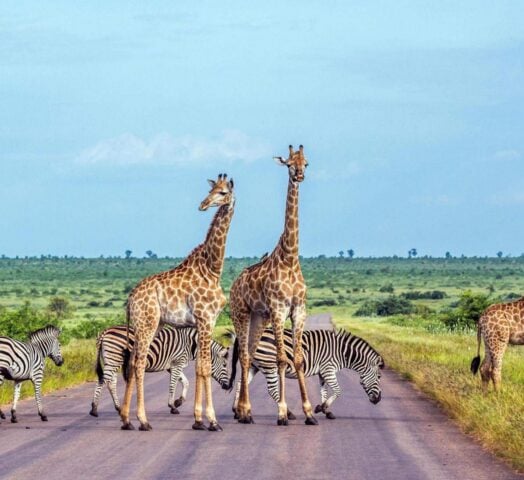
{"x":215,"y":243}
{"x":289,"y":239}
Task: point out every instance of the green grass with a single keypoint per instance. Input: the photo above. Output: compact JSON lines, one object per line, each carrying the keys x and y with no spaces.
{"x":439,"y":365}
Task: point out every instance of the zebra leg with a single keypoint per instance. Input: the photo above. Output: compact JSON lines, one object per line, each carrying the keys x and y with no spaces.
{"x":38,"y":396}
{"x":175,"y":372}
{"x":2,"y":414}
{"x":323,"y":393}
{"x":330,"y":377}
{"x":298,"y":318}
{"x":273,"y":388}
{"x":16,"y":396}
{"x":96,"y":397}
{"x":111,"y":386}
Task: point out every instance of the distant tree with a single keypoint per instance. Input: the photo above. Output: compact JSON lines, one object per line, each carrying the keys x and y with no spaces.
{"x":351,"y":253}
{"x":128,"y":253}
{"x":412,"y":253}
{"x":60,"y":307}
{"x":151,"y":254}
{"x":341,"y":254}
{"x":499,"y":254}
{"x":448,"y":255}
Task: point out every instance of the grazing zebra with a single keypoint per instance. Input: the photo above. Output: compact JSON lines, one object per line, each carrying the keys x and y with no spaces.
{"x":325,"y":353}
{"x":20,"y":361}
{"x":171,"y":349}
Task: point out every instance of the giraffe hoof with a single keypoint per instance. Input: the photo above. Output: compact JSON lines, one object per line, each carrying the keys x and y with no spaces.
{"x":330,"y":416}
{"x":145,"y":427}
{"x":291,"y":415}
{"x":247,"y":419}
{"x":283,"y":421}
{"x":43,"y":418}
{"x":199,"y":426}
{"x":174,"y":411}
{"x":311,"y":421}
{"x":318,"y":409}
{"x":127,"y":426}
{"x":236,"y":416}
{"x":178,"y":402}
{"x":215,"y":427}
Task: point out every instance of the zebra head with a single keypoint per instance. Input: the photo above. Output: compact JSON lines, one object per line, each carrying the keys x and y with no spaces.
{"x":47,"y":340}
{"x":219,"y":371}
{"x":370,"y":378}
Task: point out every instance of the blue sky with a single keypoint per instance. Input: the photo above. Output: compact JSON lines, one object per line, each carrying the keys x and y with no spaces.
{"x":114,"y":114}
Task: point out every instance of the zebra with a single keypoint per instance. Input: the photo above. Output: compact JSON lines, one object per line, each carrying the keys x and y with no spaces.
{"x":171,"y":349}
{"x":325,"y":353}
{"x":21,"y":361}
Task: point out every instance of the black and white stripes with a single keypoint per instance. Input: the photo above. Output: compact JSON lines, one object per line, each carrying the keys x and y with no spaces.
{"x":20,"y":361}
{"x":325,"y":353}
{"x":171,"y":349}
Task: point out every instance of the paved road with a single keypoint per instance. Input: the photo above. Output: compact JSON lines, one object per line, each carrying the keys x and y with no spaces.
{"x":403,"y":437}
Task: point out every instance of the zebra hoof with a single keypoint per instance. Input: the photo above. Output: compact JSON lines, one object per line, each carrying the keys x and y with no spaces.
{"x":93,"y":412}
{"x":14,"y":420}
{"x":179,"y":402}
{"x":127,"y":426}
{"x":215,"y":427}
{"x":330,"y":416}
{"x":291,"y":415}
{"x":311,"y":421}
{"x":319,"y":409}
{"x":199,"y":426}
{"x":247,"y":419}
{"x":282,"y":422}
{"x":2,"y":415}
{"x":145,"y":427}
{"x":174,"y":411}
{"x":43,"y":418}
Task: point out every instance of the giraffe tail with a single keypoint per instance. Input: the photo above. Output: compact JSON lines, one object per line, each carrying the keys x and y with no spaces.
{"x":234,"y":361}
{"x":475,"y":363}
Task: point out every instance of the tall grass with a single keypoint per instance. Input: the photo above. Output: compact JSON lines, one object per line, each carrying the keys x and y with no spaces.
{"x":439,"y":365}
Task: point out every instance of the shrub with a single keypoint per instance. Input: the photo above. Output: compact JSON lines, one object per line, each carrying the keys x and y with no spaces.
{"x":467,"y":312}
{"x":21,"y":322}
{"x":392,"y":305}
{"x":325,"y":302}
{"x":387,"y":288}
{"x":427,"y":295}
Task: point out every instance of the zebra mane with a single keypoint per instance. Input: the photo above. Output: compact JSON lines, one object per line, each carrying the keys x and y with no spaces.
{"x":41,"y":333}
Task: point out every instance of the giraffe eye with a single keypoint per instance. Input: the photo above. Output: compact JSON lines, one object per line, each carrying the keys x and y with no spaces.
{"x":223,"y":193}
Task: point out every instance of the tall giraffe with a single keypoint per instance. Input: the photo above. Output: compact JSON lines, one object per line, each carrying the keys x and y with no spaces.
{"x":500,"y":324}
{"x":271,"y":292}
{"x":188,"y":295}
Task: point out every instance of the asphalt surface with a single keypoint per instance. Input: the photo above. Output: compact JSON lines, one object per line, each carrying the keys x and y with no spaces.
{"x":404,"y":437}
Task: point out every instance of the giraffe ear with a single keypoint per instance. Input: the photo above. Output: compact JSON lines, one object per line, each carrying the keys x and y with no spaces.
{"x":212,"y":183}
{"x":280,"y":161}
{"x":231,"y":184}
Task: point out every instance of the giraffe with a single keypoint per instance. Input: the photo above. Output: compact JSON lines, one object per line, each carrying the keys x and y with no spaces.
{"x":188,"y":295}
{"x":500,"y":324}
{"x":271,"y":292}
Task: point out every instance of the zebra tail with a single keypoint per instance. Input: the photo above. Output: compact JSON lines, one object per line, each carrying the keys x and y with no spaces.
{"x":234,"y":361}
{"x":6,"y":373}
{"x":475,"y":363}
{"x":126,"y":367}
{"x":99,"y":368}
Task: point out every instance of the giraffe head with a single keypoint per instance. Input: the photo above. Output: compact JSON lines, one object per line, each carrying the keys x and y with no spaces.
{"x":296,"y":163}
{"x":221,"y":193}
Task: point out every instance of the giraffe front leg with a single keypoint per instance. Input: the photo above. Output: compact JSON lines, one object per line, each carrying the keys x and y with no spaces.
{"x":298,"y":318}
{"x":142,"y":343}
{"x":16,"y":396}
{"x":126,"y":405}
{"x":241,"y":319}
{"x":278,"y":317}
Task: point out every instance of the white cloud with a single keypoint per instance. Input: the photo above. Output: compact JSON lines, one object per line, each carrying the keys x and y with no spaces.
{"x":164,"y":149}
{"x":507,"y":199}
{"x":507,"y":155}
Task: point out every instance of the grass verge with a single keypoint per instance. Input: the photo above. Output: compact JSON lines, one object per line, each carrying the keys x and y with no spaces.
{"x":439,"y":365}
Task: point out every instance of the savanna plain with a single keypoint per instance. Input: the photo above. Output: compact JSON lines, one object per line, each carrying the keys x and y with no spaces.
{"x":420,"y":313}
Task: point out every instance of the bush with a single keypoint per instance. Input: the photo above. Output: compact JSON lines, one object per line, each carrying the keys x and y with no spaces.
{"x":427,"y":295}
{"x":325,"y":302}
{"x":392,"y":305}
{"x":91,"y":328}
{"x":21,"y":322}
{"x":467,"y":312}
{"x":387,"y":288}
